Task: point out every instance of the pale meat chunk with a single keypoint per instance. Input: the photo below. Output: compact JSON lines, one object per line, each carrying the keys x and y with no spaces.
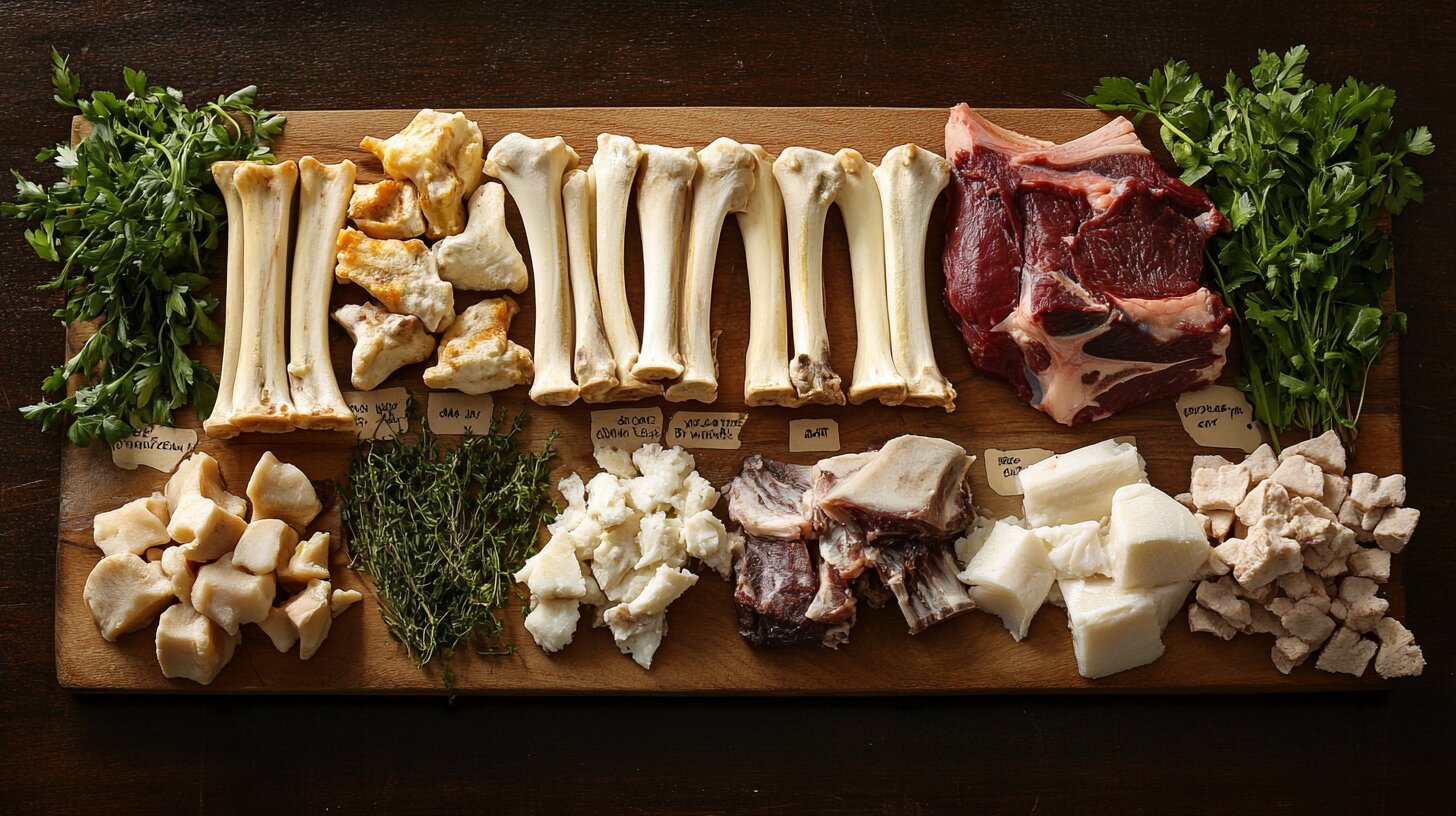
{"x":199,"y":475}
{"x":1202,"y":619}
{"x":309,"y":561}
{"x":230,"y":596}
{"x":764,"y":499}
{"x":134,"y":527}
{"x":1289,"y":652}
{"x":310,"y":614}
{"x":383,"y":342}
{"x":1369,"y":492}
{"x":399,"y":274}
{"x":387,"y":209}
{"x":279,"y":490}
{"x":1396,"y":527}
{"x":1399,"y":655}
{"x":1220,"y":489}
{"x":279,"y":629}
{"x":1300,"y":477}
{"x":476,"y":356}
{"x":124,"y":593}
{"x":1372,"y":563}
{"x":1268,"y":498}
{"x":266,"y":545}
{"x":1325,"y":450}
{"x":1346,"y":653}
{"x":1358,"y":604}
{"x":1261,"y":463}
{"x":207,"y":530}
{"x":191,"y":646}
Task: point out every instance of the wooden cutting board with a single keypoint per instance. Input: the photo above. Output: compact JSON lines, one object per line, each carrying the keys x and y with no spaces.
{"x":703,"y":653}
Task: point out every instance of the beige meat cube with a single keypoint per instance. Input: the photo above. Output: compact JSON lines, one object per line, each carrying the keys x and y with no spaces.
{"x":1289,"y":652}
{"x":1358,"y":604}
{"x":483,"y":257}
{"x":308,"y":562}
{"x":1267,"y":498}
{"x":1368,"y":491}
{"x":1399,"y":655}
{"x":384,"y":342}
{"x":1220,"y":489}
{"x":399,"y":274}
{"x":231,"y":597}
{"x":124,"y":593}
{"x":387,"y":209}
{"x":198,"y":475}
{"x":1325,"y":450}
{"x":1396,"y":527}
{"x":475,"y":355}
{"x":1300,"y":585}
{"x":1264,"y":622}
{"x":134,"y":527}
{"x":1218,"y":596}
{"x":1346,"y":653}
{"x":443,"y":154}
{"x":309,"y":611}
{"x":191,"y":646}
{"x":1305,"y":619}
{"x":1372,"y":563}
{"x":266,"y":545}
{"x":1261,"y":556}
{"x":280,"y":629}
{"x":1260,"y":595}
{"x":178,"y":570}
{"x":1261,"y":464}
{"x":208,"y":531}
{"x":1202,"y":619}
{"x":281,"y":491}
{"x":1300,"y":477}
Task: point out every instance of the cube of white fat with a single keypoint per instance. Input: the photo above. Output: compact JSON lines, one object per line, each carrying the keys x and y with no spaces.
{"x":553,"y":573}
{"x":969,"y":544}
{"x":207,"y":530}
{"x":230,"y":596}
{"x":637,"y":637}
{"x":1261,"y":463}
{"x":124,"y":592}
{"x":663,"y":472}
{"x":706,"y":539}
{"x":279,"y":490}
{"x":1300,"y":477}
{"x":1078,"y":485}
{"x":606,"y":499}
{"x":1076,"y":550}
{"x":134,"y":527}
{"x":191,"y":646}
{"x":199,"y":475}
{"x":1010,"y":576}
{"x":1152,"y":539}
{"x":179,"y":571}
{"x":552,"y":622}
{"x":1113,"y":630}
{"x":1219,"y":489}
{"x":1325,"y":450}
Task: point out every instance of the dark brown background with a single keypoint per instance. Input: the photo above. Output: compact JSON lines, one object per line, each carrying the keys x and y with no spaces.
{"x":1363,"y":752}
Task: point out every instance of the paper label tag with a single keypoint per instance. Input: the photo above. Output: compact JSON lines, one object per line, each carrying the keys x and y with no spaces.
{"x":453,"y":414}
{"x":813,"y":435}
{"x":627,"y":429}
{"x":1219,"y":417}
{"x":159,"y":447}
{"x":379,"y":414}
{"x":1003,"y":468}
{"x":706,"y":429}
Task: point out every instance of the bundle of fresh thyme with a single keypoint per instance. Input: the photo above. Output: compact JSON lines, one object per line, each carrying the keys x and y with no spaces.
{"x":132,"y":222}
{"x":1305,"y":172}
{"x":442,"y":530}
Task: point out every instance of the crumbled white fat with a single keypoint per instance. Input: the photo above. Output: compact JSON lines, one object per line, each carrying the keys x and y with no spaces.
{"x":1076,"y":550}
{"x":663,"y":474}
{"x":969,"y":544}
{"x":553,"y":573}
{"x":706,"y":539}
{"x":574,"y":492}
{"x":552,"y":622}
{"x":697,"y":495}
{"x":638,"y":638}
{"x":656,"y":540}
{"x":614,"y":559}
{"x":606,"y":500}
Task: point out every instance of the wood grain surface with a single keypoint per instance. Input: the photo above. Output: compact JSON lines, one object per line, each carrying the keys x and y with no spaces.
{"x":703,"y":652}
{"x":1386,"y":752}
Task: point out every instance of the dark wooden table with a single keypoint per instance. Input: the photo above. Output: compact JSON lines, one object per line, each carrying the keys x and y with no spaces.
{"x":61,"y":753}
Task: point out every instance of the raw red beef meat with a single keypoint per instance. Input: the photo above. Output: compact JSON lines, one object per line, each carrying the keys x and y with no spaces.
{"x":1075,"y":271}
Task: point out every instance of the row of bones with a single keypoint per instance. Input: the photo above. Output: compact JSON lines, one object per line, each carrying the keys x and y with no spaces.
{"x":886,"y":211}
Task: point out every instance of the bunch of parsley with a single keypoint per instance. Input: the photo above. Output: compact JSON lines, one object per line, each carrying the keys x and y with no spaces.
{"x":133,"y":221}
{"x":1305,"y":173}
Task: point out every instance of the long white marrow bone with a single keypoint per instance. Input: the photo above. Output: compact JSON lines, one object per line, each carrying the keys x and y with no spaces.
{"x":766,"y":367}
{"x":323,"y":203}
{"x":809,"y":181}
{"x":219,"y":423}
{"x":260,"y":391}
{"x":663,"y":187}
{"x":613,"y":169}
{"x":722,"y":184}
{"x":531,"y":170}
{"x":910,"y":180}
{"x":596,"y":370}
{"x":875,"y":376}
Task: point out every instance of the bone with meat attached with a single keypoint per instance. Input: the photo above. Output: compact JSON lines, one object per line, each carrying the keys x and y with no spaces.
{"x":401,"y":274}
{"x":766,"y":368}
{"x":664,"y":186}
{"x":809,"y":181}
{"x":910,"y":180}
{"x":483,"y":257}
{"x":322,"y":205}
{"x":721,"y":185}
{"x":219,"y":423}
{"x":612,"y":170}
{"x":596,"y":370}
{"x":875,"y":375}
{"x":916,"y":485}
{"x":261,"y":399}
{"x":532,"y":170}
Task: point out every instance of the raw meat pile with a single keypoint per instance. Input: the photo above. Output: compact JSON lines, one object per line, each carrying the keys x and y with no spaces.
{"x":1075,"y":270}
{"x":874,"y":525}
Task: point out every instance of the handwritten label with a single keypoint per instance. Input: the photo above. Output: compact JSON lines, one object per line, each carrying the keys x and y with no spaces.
{"x":453,"y":414}
{"x":1219,"y":417}
{"x":379,"y":414}
{"x":813,"y":435}
{"x":706,"y":429}
{"x":628,"y":429}
{"x":1003,"y":468}
{"x":156,"y":446}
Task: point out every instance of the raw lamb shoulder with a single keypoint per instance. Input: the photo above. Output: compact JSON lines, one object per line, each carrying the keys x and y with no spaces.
{"x":1074,"y":271}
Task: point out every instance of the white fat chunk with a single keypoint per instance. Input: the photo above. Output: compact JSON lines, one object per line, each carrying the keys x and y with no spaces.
{"x":1078,"y":485}
{"x":1076,"y":550}
{"x":1152,"y":539}
{"x":230,"y":596}
{"x":614,"y":557}
{"x":606,"y":500}
{"x":206,"y":528}
{"x":282,"y":491}
{"x":706,"y":539}
{"x":657,"y":540}
{"x":553,"y":573}
{"x":124,"y":592}
{"x":199,"y":475}
{"x":696,"y":495}
{"x":1113,"y":630}
{"x":1010,"y":576}
{"x":615,"y":461}
{"x":191,"y":646}
{"x":969,"y":544}
{"x":666,"y":586}
{"x":311,"y":616}
{"x":638,"y":637}
{"x":574,"y":513}
{"x":134,"y":527}
{"x":341,"y":599}
{"x":552,"y":622}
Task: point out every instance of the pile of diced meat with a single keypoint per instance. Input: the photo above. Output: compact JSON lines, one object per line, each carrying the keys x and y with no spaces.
{"x":1294,"y":566}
